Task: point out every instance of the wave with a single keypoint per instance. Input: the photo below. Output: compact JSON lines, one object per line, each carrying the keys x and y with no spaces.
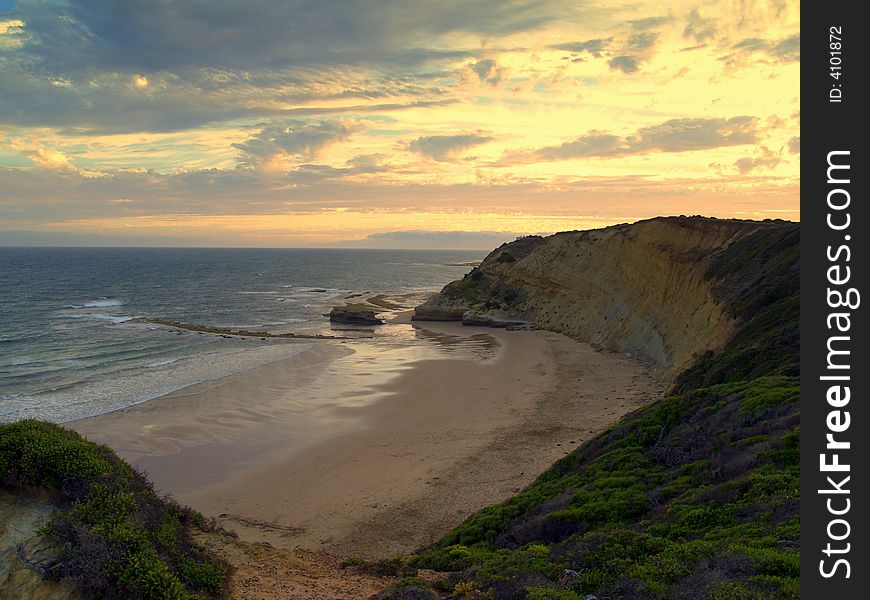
{"x":101,"y":317}
{"x":136,"y":385}
{"x":98,"y":303}
{"x":258,"y":293}
{"x":161,"y":363}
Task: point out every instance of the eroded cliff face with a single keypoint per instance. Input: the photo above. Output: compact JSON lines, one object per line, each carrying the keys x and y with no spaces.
{"x":640,"y":289}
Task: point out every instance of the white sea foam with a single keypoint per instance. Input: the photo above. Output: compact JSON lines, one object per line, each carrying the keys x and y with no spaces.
{"x":102,"y":303}
{"x":161,"y":363}
{"x":107,"y":395}
{"x":103,"y":317}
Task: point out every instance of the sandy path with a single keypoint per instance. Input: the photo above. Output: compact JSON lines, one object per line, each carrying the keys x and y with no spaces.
{"x":445,"y":438}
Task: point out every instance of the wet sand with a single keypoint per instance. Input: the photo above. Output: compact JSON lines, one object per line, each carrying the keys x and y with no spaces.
{"x":370,"y":448}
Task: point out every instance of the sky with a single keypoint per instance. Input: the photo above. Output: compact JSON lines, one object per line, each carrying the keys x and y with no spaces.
{"x":390,"y":123}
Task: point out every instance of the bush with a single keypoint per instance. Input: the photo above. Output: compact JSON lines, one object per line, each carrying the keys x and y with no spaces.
{"x":114,"y":536}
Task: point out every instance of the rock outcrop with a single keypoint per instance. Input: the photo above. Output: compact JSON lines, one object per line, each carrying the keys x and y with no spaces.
{"x":641,"y":289}
{"x":354,"y":315}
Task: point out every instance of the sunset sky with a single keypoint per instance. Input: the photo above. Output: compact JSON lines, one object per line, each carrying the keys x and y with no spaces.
{"x":389,"y":123}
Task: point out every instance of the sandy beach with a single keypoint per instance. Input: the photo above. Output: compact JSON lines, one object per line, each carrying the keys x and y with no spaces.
{"x":371,"y":450}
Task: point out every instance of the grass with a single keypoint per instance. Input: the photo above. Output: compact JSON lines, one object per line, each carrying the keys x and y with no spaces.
{"x":114,"y":536}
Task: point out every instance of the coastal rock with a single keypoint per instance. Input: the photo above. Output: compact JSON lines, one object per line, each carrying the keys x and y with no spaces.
{"x":641,"y":289}
{"x":352,"y":315}
{"x":477,"y":320}
{"x":427,"y":312}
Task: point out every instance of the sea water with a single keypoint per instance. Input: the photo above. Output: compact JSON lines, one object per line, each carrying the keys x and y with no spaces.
{"x":75,"y":339}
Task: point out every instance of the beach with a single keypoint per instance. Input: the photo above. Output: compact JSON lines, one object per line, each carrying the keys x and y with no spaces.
{"x":371,"y":450}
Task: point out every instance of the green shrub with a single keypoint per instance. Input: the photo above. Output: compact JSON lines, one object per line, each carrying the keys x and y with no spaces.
{"x":114,"y":536}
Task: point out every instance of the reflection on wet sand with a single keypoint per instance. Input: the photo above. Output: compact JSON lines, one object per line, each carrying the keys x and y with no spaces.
{"x":479,"y":345}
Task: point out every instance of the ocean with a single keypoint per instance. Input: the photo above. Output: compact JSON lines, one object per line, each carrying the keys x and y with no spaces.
{"x":75,"y":340}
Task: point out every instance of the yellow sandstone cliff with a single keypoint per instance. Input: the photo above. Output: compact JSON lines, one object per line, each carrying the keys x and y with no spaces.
{"x":639,"y":289}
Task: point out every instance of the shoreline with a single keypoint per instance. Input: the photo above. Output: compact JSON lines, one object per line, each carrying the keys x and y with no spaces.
{"x":381,"y":468}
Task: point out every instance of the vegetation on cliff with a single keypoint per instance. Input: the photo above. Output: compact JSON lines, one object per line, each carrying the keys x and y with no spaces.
{"x":113,"y":535}
{"x":694,"y":496}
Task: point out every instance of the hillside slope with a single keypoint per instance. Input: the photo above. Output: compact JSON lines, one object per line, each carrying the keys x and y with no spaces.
{"x":692,"y":497}
{"x":644,"y":289}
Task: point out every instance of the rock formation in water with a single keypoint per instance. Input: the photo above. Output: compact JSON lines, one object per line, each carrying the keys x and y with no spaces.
{"x":354,"y":315}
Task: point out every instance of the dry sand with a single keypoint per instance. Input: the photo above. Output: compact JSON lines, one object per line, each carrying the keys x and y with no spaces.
{"x":386,"y":466}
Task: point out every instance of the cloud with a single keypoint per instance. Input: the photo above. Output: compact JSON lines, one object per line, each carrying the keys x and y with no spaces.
{"x":436,"y":240}
{"x":297,"y":138}
{"x":626,"y":64}
{"x":650,"y":22}
{"x":147,"y":36}
{"x":699,"y":28}
{"x":789,"y":49}
{"x":768,"y":160}
{"x":643,"y":41}
{"x":445,"y":147}
{"x":678,"y":135}
{"x":595,"y":47}
{"x":675,"y":135}
{"x":50,"y":158}
{"x":208,"y":61}
{"x":488,"y":71}
{"x":66,"y":239}
{"x":785,"y":50}
{"x":794,"y":145}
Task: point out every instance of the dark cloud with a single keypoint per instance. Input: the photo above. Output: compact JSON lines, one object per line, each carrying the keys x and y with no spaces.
{"x":676,"y":135}
{"x":626,"y":64}
{"x":794,"y":145}
{"x":650,"y":22}
{"x":148,"y":36}
{"x":67,"y":239}
{"x":788,"y":50}
{"x":445,"y":147}
{"x":111,"y":104}
{"x":488,"y":71}
{"x":752,"y":44}
{"x":591,"y":144}
{"x":747,"y":164}
{"x":296,"y":138}
{"x":219,"y":60}
{"x":785,"y":50}
{"x":643,"y":41}
{"x":594,"y":47}
{"x":699,"y":28}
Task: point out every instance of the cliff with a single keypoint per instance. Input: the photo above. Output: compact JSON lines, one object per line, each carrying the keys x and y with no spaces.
{"x":644,"y":289}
